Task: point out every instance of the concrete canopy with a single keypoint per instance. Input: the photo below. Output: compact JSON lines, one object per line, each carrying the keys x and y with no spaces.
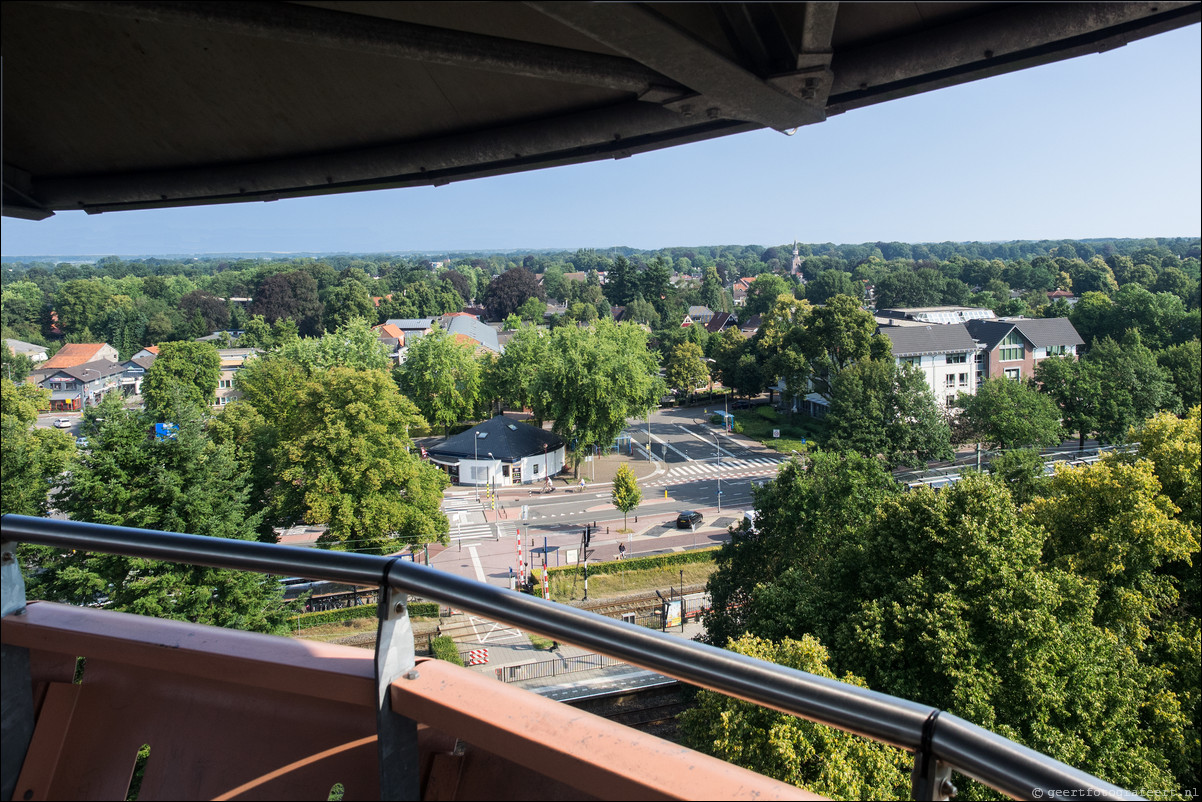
{"x":130,"y":105}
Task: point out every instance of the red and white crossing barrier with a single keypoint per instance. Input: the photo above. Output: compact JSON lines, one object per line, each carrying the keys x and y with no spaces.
{"x":476,"y":657}
{"x":546,"y":582}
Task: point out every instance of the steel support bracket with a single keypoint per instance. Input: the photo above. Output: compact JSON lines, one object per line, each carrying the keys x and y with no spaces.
{"x":16,"y":724}
{"x":395,"y":660}
{"x":930,"y":779}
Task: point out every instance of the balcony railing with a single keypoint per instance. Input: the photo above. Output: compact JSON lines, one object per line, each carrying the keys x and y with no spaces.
{"x":445,"y":697}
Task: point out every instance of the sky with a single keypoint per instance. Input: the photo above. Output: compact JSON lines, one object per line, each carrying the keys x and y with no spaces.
{"x":1105,"y":145}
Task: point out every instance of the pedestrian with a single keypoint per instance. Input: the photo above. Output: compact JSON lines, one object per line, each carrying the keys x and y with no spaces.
{"x":621,"y":550}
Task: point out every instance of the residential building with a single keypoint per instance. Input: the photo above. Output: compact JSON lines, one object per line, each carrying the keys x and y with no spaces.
{"x":469,"y":330}
{"x":701,"y":315}
{"x":75,"y":387}
{"x":232,"y":360}
{"x":73,"y":354}
{"x":751,"y":325}
{"x":720,"y":321}
{"x":36,"y":353}
{"x":938,"y":314}
{"x":1012,"y":347}
{"x":393,"y":338}
{"x":944,"y":354}
{"x":135,"y":370}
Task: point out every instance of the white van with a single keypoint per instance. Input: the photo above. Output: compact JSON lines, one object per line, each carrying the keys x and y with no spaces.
{"x":749,"y":517}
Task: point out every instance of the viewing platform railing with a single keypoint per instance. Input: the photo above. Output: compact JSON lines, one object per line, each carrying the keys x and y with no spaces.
{"x":940,"y":741}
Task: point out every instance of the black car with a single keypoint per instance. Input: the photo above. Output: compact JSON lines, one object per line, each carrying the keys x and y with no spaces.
{"x":689,"y":519}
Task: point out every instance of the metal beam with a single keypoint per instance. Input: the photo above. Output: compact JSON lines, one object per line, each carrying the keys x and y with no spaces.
{"x":1008,"y":39}
{"x":724,"y":89}
{"x":616,"y":132}
{"x":324,"y":28}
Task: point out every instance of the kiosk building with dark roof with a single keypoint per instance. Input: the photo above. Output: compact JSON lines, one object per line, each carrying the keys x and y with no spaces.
{"x":502,"y":451}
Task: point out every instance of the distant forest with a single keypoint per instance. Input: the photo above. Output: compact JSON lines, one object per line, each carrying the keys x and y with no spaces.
{"x":131,"y":303}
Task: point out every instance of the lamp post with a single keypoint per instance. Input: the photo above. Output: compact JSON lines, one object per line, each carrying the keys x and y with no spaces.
{"x":476,"y":448}
{"x":719,"y":447}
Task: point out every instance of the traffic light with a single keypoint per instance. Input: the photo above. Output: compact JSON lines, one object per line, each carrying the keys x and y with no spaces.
{"x":587,"y":535}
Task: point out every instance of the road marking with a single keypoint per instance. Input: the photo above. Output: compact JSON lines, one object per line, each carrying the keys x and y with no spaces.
{"x":674,"y":448}
{"x":702,"y":439}
{"x":476,"y":564}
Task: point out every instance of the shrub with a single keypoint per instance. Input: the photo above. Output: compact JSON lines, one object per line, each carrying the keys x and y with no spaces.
{"x":444,"y":648}
{"x":642,"y":563}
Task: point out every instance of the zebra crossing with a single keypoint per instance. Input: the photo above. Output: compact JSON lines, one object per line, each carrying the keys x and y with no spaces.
{"x":466,"y":516}
{"x":728,"y":465}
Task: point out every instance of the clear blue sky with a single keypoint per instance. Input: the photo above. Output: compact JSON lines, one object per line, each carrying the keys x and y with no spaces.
{"x":1105,"y":145}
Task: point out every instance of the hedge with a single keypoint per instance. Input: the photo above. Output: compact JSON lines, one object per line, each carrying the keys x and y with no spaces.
{"x":643,"y":563}
{"x":444,"y":648}
{"x":416,"y":610}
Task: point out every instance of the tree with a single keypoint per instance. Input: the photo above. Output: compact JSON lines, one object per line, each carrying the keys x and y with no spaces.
{"x":442,"y":377}
{"x":881,"y":408}
{"x":346,"y":301}
{"x":828,"y":284}
{"x":1133,"y":387}
{"x":626,"y":494}
{"x":594,"y":379}
{"x":1010,"y":414}
{"x":1183,"y":366}
{"x":344,"y":460}
{"x":763,"y":292}
{"x":184,"y":373}
{"x":534,"y":310}
{"x":622,"y":284}
{"x":685,"y":369}
{"x":508,"y":291}
{"x":1022,"y":471}
{"x":1007,"y":642}
{"x":839,"y":334}
{"x":1076,"y":388}
{"x":510,"y":378}
{"x":14,"y":367}
{"x":293,"y":296}
{"x":213,"y":311}
{"x":182,"y":484}
{"x":32,"y":459}
{"x":808,"y":510}
{"x":821,"y":759}
{"x":712,"y":295}
{"x":352,"y":345}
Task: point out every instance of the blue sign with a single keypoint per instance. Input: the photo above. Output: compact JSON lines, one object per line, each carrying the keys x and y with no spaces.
{"x":165,"y":431}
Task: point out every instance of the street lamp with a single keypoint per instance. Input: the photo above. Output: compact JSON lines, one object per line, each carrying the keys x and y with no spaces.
{"x":476,"y":467}
{"x":719,"y":447}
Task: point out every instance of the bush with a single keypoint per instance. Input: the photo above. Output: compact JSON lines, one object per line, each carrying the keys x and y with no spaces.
{"x":416,"y":610}
{"x":642,"y":563}
{"x":444,"y":648}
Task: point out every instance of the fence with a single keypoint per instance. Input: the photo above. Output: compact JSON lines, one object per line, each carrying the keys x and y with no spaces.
{"x":538,"y":669}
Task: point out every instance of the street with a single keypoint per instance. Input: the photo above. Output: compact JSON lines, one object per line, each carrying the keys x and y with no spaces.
{"x":692,"y":465}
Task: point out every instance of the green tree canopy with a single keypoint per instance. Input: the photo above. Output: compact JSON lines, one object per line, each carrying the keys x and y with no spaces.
{"x":1011,"y":414}
{"x":685,"y":369}
{"x":594,"y":379}
{"x":881,"y":408}
{"x":343,"y":460}
{"x":182,"y":484}
{"x":626,"y":495}
{"x":31,"y":460}
{"x":442,"y":377}
{"x":820,"y":759}
{"x":183,"y":374}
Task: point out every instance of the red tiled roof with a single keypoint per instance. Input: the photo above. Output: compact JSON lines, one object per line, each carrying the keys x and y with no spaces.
{"x":73,"y":354}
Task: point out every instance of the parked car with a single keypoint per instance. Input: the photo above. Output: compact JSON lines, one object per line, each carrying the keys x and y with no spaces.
{"x":689,"y":519}
{"x":62,"y":423}
{"x":742,"y":403}
{"x":81,"y":442}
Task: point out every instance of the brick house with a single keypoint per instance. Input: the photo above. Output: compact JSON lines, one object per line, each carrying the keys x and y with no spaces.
{"x":1012,"y":347}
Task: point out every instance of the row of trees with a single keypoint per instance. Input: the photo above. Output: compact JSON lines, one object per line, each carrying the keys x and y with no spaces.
{"x":1066,"y":618}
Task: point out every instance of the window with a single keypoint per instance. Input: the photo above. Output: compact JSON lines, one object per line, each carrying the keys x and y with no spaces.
{"x":1057,"y":350}
{"x":226,"y":384}
{"x":951,"y":380}
{"x":910,"y":360}
{"x":963,"y":379}
{"x":1011,"y":348}
{"x":1014,"y":374}
{"x":957,"y":359}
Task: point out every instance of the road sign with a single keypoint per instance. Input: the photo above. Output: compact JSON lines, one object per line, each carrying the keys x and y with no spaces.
{"x":525,"y":511}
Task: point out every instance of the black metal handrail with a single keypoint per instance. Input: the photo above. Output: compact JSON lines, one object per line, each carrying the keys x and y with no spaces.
{"x":971,"y":750}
